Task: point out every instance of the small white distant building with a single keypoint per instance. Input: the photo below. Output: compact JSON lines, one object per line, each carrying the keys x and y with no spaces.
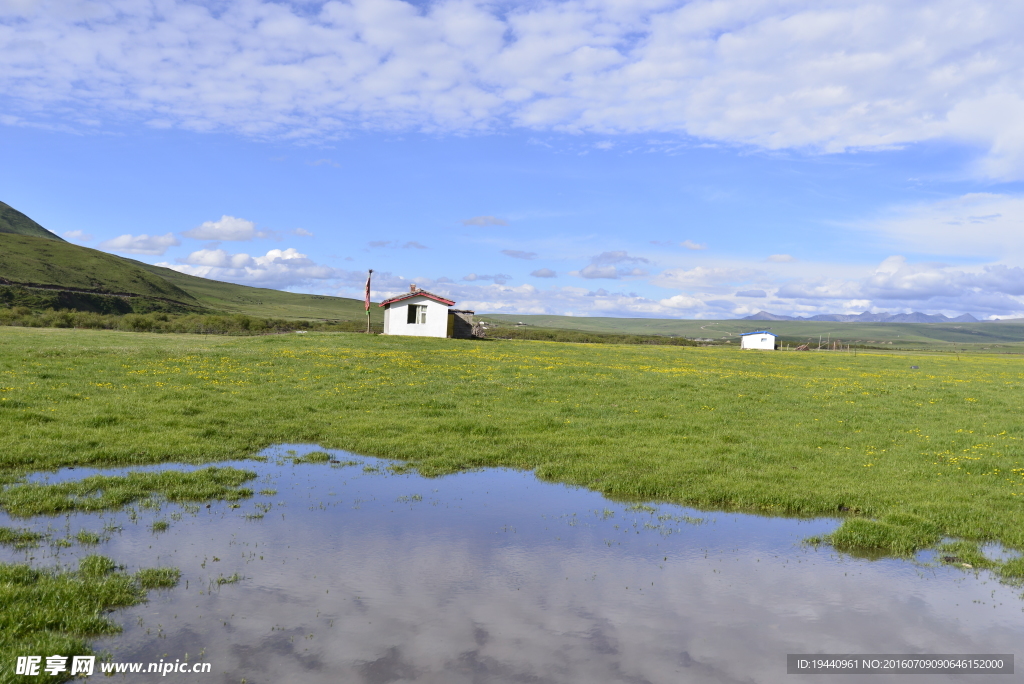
{"x":760,"y":339}
{"x":425,"y":314}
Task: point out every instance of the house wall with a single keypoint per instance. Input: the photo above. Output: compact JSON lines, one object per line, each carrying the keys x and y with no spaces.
{"x":397,"y":315}
{"x":462,"y":324}
{"x":757,"y":342}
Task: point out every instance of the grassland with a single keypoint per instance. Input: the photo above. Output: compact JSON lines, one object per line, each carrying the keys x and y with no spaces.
{"x":906,"y":456}
{"x":989,"y":336}
{"x":783,"y":433}
{"x":164,"y":322}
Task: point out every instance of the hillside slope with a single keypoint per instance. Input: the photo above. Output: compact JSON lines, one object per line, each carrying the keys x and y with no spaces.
{"x":13,"y":222}
{"x":41,"y":271}
{"x":260,"y":301}
{"x":50,"y":264}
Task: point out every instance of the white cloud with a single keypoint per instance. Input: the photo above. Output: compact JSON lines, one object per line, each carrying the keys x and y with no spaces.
{"x":703,"y":277}
{"x":395,"y":244}
{"x":977,"y":224}
{"x":896,"y":284}
{"x":681,"y":302}
{"x":544,"y":273}
{"x":141,"y":244}
{"x":595,"y":271}
{"x":612,"y":265}
{"x":689,"y":244}
{"x":781,"y":258}
{"x":735,"y":289}
{"x":77,"y":236}
{"x":829,"y":76}
{"x":618,"y":257}
{"x":499,"y":278}
{"x":301,"y":232}
{"x":519,"y":254}
{"x":484,"y":221}
{"x":218,"y":258}
{"x":278,"y":268}
{"x":229,"y":228}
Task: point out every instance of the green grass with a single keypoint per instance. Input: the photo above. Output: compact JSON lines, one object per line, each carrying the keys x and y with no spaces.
{"x":778,"y":433}
{"x":158,"y":578}
{"x":966,"y":552}
{"x":897,"y":534}
{"x":312,"y":457}
{"x":26,"y":260}
{"x":558,"y":335}
{"x":1013,"y":570}
{"x":164,"y":321}
{"x":13,"y":222}
{"x":104,"y":492}
{"x":48,"y":612}
{"x":88,"y":538}
{"x":19,"y":538}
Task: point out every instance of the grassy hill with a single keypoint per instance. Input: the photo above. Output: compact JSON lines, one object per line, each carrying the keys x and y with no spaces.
{"x":983,"y":336}
{"x":35,"y":269}
{"x":259,"y":301}
{"x":13,"y":222}
{"x":40,"y":271}
{"x":39,"y":262}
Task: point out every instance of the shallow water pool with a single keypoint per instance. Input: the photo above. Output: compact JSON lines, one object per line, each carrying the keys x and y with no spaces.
{"x":350,"y":573}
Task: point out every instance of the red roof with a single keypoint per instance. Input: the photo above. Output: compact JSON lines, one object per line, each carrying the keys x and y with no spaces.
{"x":418,"y":293}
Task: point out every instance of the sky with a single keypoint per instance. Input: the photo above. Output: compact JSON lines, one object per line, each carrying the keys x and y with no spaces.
{"x":639,"y":158}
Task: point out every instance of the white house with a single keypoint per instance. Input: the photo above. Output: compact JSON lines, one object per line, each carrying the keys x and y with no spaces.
{"x":425,"y":314}
{"x":760,"y":339}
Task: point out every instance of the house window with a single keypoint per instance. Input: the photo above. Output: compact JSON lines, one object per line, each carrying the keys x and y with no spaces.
{"x":417,"y":314}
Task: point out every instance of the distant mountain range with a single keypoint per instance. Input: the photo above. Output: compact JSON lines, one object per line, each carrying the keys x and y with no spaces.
{"x":866,"y":317}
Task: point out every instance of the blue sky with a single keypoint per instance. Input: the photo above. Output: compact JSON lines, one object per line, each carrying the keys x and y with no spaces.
{"x":644,"y":158}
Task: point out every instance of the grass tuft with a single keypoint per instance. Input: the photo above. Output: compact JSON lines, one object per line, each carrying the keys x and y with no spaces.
{"x":158,"y":578}
{"x":313,"y":457}
{"x":1013,"y":570}
{"x":88,"y":538}
{"x":103,"y":492}
{"x":19,"y":538}
{"x":965,"y":552}
{"x":96,"y":566}
{"x":899,"y":534}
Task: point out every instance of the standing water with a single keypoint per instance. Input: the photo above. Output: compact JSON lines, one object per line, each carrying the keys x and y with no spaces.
{"x":347,"y":572}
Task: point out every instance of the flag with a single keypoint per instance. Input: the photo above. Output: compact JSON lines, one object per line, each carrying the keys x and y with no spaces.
{"x":368,"y":290}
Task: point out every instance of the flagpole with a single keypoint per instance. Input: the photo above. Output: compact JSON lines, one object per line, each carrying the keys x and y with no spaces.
{"x":367,"y":302}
